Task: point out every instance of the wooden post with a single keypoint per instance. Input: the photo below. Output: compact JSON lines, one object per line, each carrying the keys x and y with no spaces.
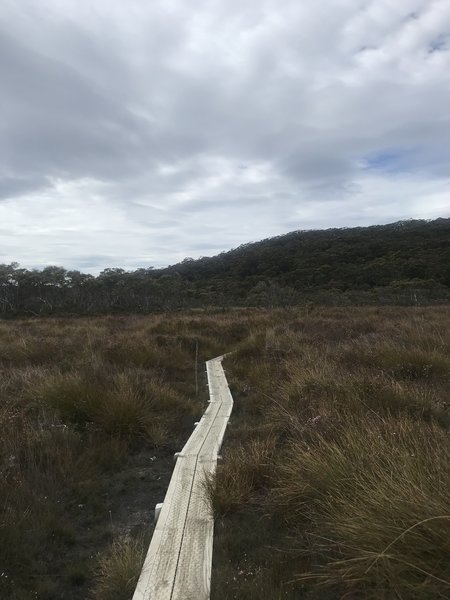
{"x":196,"y":368}
{"x":158,"y":508}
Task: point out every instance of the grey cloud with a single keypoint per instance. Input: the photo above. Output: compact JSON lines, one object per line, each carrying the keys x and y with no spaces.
{"x":16,"y":186}
{"x":173,"y":129}
{"x":56,"y":122}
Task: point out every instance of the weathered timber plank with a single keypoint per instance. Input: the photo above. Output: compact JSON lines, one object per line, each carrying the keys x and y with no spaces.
{"x":195,"y":442}
{"x":178,"y":562}
{"x":193,"y":575}
{"x":158,"y":573}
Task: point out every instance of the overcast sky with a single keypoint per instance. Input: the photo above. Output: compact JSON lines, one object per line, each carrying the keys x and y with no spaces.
{"x":138,"y":133}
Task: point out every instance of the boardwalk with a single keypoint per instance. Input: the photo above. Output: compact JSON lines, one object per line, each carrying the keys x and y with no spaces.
{"x":178,"y":562}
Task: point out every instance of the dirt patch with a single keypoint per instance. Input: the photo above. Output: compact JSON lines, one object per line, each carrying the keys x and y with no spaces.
{"x":124,"y":508}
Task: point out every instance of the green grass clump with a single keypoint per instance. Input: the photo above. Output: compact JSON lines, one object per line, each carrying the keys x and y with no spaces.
{"x":129,"y":405}
{"x":118,"y":570}
{"x":76,"y":398}
{"x":413,"y":364}
{"x":242,"y":477}
{"x":374,"y":505}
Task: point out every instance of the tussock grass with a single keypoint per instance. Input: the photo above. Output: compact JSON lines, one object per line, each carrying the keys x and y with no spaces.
{"x":86,"y":404}
{"x":357,"y":495}
{"x":118,"y":570}
{"x":377,"y":527}
{"x":243,"y":476}
{"x":130,"y":405}
{"x":335,"y":476}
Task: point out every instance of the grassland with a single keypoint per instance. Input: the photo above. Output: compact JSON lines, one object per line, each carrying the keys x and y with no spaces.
{"x":335,"y":478}
{"x":91,"y":411}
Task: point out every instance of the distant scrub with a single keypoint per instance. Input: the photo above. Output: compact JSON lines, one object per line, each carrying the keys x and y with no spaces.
{"x":404,"y":263}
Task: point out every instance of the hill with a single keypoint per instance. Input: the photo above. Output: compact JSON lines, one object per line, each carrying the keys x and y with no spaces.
{"x":407,"y":254}
{"x":407,"y":262}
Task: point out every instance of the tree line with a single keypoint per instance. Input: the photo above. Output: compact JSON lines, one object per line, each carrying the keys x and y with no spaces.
{"x":404,"y":262}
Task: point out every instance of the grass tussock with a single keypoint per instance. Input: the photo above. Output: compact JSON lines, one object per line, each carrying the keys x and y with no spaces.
{"x":91,"y":411}
{"x":118,"y":570}
{"x":357,"y":495}
{"x":243,"y":476}
{"x":335,"y":474}
{"x":374,"y":499}
{"x":131,"y":405}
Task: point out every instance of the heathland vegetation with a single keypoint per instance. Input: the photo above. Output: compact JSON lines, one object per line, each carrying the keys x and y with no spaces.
{"x":91,"y":412}
{"x":402,"y":263}
{"x":335,"y":476}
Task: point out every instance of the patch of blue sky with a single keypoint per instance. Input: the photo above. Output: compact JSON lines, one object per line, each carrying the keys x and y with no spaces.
{"x":390,"y":161}
{"x":439,"y":44}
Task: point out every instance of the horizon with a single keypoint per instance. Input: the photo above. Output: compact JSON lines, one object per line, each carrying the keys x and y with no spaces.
{"x":97,"y":272}
{"x":137,"y":136}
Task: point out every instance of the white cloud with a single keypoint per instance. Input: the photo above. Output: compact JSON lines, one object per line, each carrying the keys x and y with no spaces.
{"x":139,"y":133}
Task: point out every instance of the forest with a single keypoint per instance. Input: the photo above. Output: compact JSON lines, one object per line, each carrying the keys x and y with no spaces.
{"x":405,"y":263}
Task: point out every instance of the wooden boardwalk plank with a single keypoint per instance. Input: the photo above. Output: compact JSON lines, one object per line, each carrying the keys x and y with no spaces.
{"x":193,"y":575}
{"x":178,"y":562}
{"x":160,"y":566}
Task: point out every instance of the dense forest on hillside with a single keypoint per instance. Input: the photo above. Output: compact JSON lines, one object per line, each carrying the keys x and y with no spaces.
{"x":407,"y":262}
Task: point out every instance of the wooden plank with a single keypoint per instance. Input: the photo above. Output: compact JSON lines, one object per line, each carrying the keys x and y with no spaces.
{"x":198,"y":542}
{"x":195,"y":442}
{"x":193,"y":575}
{"x":158,"y":573}
{"x":178,"y":562}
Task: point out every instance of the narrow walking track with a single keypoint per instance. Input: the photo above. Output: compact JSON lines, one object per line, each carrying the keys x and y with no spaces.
{"x":178,"y":562}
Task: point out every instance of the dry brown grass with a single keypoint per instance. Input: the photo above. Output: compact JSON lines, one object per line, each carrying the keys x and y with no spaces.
{"x":118,"y":570}
{"x":83,"y":402}
{"x":357,"y":496}
{"x":244,"y":475}
{"x":335,"y":475}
